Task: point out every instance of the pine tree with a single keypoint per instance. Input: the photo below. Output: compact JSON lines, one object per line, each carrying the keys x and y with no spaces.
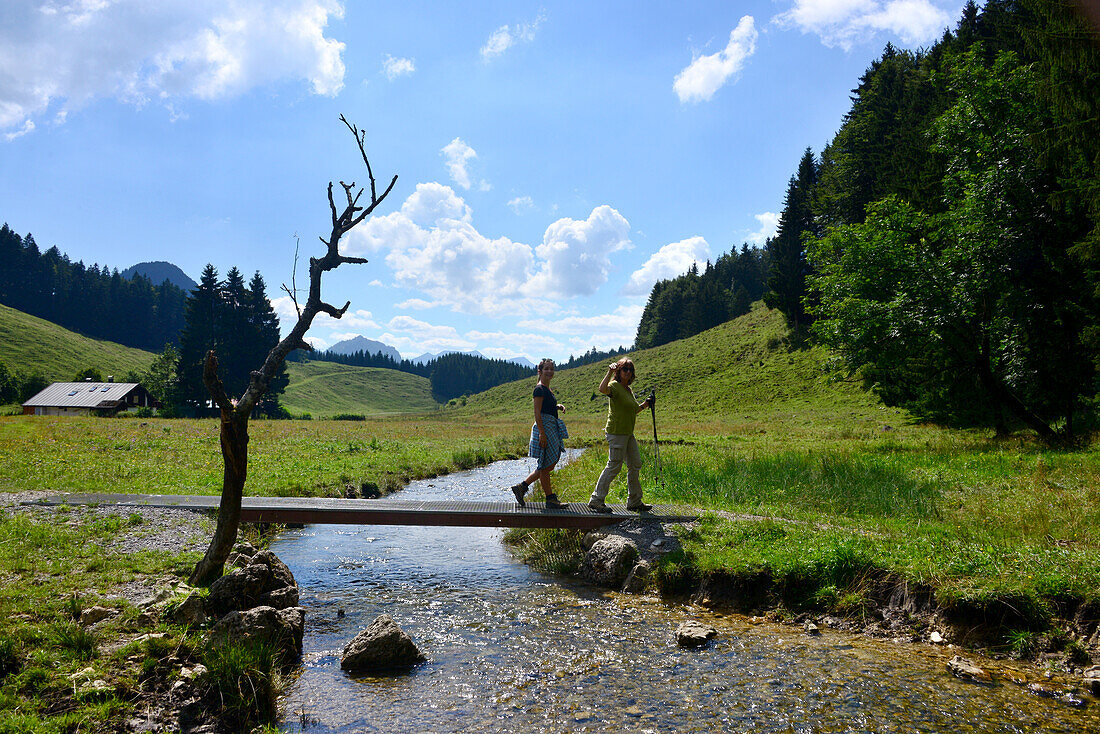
{"x":787,"y":277}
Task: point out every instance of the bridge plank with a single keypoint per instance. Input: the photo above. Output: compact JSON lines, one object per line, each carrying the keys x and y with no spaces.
{"x":386,"y":511}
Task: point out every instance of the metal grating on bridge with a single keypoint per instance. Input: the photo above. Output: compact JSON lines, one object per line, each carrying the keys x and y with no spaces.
{"x":320,"y":510}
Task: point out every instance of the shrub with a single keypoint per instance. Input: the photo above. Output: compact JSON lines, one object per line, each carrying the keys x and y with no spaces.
{"x":349,"y":417}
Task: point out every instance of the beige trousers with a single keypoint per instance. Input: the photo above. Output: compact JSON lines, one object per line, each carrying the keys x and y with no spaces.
{"x":620,"y":447}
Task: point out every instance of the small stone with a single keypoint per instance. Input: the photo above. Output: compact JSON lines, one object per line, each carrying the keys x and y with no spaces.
{"x":935,"y":638}
{"x":960,"y":667}
{"x":811,"y":629}
{"x":96,"y":614}
{"x":694,"y":634}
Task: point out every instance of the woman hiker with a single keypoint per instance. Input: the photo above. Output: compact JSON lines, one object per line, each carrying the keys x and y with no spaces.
{"x":622,"y":410}
{"x":547,"y":435}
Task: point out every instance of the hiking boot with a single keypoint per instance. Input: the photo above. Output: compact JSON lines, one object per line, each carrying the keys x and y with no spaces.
{"x":519,"y":490}
{"x":600,"y":508}
{"x":639,"y":507}
{"x":552,"y":503}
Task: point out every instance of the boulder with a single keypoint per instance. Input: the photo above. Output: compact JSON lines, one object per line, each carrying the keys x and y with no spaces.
{"x":609,"y":560}
{"x":190,"y":612}
{"x":960,"y":667}
{"x":636,"y":581}
{"x":694,"y":634}
{"x":1092,"y":680}
{"x":282,"y":628}
{"x":380,"y":646}
{"x":264,"y":582}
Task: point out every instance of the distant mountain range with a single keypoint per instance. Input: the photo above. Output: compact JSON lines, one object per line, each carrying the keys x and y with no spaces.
{"x":428,"y":357}
{"x":365,"y":345}
{"x":160,"y":271}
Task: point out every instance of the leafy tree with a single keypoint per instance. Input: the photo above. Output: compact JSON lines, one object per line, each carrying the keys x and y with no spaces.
{"x":91,"y":374}
{"x":9,"y":386}
{"x":162,"y":379}
{"x":975,"y":312}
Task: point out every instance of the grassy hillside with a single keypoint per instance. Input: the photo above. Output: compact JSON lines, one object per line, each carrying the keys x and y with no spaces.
{"x":324,"y":389}
{"x":32,"y":345}
{"x":735,"y":378}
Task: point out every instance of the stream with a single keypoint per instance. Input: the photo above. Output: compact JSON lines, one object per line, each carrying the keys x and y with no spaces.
{"x":513,"y":650}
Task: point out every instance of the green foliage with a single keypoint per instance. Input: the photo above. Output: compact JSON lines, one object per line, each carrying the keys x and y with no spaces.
{"x":788,"y":268}
{"x":239,"y":325}
{"x":89,"y":374}
{"x":9,"y":658}
{"x":246,"y":681}
{"x":161,"y":379}
{"x":74,"y":640}
{"x":973,"y":314}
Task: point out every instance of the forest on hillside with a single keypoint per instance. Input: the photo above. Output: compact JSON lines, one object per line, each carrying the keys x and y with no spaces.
{"x":94,"y":301}
{"x":946,"y":242}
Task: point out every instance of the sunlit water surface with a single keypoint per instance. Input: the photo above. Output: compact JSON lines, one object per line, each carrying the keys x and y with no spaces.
{"x":512,"y":650}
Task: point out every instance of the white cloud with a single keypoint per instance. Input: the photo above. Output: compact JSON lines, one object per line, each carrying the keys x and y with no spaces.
{"x":505,"y":37}
{"x":603,"y":331}
{"x":416,"y":304}
{"x":576,"y":254}
{"x":64,"y":55}
{"x":458,"y":154}
{"x":670,"y":261}
{"x":522,"y":204}
{"x":433,"y":247}
{"x":845,"y":22}
{"x":707,"y":74}
{"x":769,"y":225}
{"x":28,"y":126}
{"x":394,"y":68}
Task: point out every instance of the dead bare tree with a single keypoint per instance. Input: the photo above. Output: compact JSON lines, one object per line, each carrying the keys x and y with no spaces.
{"x":234,"y":416}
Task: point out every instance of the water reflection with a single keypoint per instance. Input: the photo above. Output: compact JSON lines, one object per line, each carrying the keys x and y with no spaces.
{"x":511,"y":650}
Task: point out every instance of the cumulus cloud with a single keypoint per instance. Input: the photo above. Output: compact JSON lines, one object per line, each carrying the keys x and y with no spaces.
{"x":576,"y":254}
{"x":62,"y":55}
{"x":394,"y":68}
{"x":769,"y":225}
{"x":505,"y":37}
{"x":842,"y":23}
{"x":433,"y":247}
{"x":707,"y":74}
{"x":670,"y":261}
{"x":457,"y":154}
{"x":581,"y":333}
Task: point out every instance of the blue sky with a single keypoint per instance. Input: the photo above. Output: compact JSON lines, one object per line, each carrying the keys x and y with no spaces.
{"x":554,"y":159}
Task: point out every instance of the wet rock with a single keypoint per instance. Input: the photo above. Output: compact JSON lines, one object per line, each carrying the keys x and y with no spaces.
{"x":190,"y":612}
{"x":282,"y":628}
{"x":1044,"y":690}
{"x":609,"y":560}
{"x":93,"y":615}
{"x":960,"y":667}
{"x":694,"y":634}
{"x":382,"y":645}
{"x":1092,"y":680}
{"x":935,"y":638}
{"x":811,"y":629}
{"x":264,"y":582}
{"x":636,"y":581}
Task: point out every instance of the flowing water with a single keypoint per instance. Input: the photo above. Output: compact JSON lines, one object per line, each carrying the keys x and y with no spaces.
{"x":512,"y":650}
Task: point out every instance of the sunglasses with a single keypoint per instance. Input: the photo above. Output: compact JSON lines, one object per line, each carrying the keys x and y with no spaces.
{"x":627,"y":369}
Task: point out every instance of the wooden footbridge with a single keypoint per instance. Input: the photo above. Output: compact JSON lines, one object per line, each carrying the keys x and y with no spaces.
{"x":317,"y":510}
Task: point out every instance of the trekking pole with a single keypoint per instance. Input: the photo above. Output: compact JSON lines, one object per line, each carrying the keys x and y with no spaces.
{"x":656,"y":444}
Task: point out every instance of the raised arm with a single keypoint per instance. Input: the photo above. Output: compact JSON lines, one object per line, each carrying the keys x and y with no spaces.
{"x":605,"y":384}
